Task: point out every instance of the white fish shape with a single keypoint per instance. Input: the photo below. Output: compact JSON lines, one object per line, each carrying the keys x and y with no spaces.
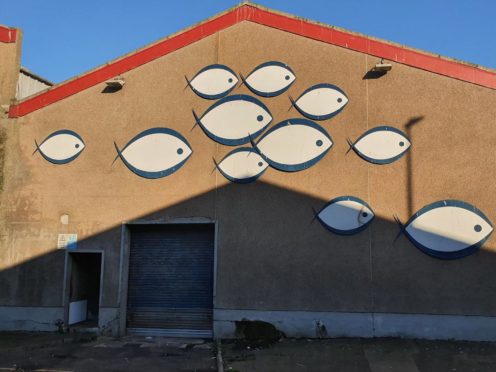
{"x":213,"y":82}
{"x":270,"y":79}
{"x":242,"y":165}
{"x":294,"y":145}
{"x":61,"y":147}
{"x":447,"y":229}
{"x":233,"y":120}
{"x":381,"y":145}
{"x":155,"y":152}
{"x":346,"y":215}
{"x":321,"y":102}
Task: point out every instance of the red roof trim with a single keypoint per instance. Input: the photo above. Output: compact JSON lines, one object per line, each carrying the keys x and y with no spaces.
{"x":264,"y":17}
{"x":376,"y":48}
{"x":8,"y":35}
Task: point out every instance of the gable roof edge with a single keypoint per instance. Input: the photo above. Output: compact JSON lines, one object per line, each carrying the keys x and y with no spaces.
{"x":255,"y":13}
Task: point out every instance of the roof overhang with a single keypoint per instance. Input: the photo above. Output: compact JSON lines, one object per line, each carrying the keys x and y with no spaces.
{"x":263,"y":16}
{"x":25,"y":71}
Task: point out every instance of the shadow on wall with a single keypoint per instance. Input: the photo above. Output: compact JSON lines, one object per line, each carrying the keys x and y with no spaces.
{"x":409,"y":126}
{"x":274,"y":255}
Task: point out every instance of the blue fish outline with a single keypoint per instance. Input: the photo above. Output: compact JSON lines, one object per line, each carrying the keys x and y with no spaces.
{"x":147,"y":132}
{"x":211,"y":67}
{"x":269,"y":94}
{"x":239,"y":141}
{"x":295,"y":167}
{"x":345,"y":232}
{"x":441,"y":204}
{"x":249,"y":150}
{"x":381,"y":128}
{"x":54,"y":134}
{"x":319,"y":117}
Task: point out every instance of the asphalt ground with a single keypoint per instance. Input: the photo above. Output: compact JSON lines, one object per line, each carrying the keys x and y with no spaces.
{"x":361,"y":355}
{"x":54,"y":352}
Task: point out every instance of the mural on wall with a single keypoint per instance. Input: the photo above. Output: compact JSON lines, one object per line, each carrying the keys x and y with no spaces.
{"x":447,"y":229}
{"x":270,"y":79}
{"x":294,"y":145}
{"x":155,"y":152}
{"x":213,"y":82}
{"x":61,"y":147}
{"x":233,"y":120}
{"x":320,"y":102}
{"x":381,"y":145}
{"x":346,"y":215}
{"x":242,"y":165}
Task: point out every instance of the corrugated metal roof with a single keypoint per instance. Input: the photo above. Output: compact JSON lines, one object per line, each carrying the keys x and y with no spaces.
{"x":25,"y":71}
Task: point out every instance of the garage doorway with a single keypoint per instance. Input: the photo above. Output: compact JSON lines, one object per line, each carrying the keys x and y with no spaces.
{"x":170,"y":287}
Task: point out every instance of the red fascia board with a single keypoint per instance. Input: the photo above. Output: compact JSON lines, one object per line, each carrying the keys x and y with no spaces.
{"x":8,"y":35}
{"x":376,"y":48}
{"x":125,"y":64}
{"x":267,"y":18}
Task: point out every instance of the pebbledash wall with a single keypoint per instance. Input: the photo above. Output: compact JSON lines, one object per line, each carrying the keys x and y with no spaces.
{"x":275,"y":260}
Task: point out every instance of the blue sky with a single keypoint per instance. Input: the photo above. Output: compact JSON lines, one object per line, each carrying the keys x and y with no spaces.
{"x":66,"y":38}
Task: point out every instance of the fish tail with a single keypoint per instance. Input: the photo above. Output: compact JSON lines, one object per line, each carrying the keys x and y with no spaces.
{"x":197,"y":120}
{"x":188,"y":83}
{"x":400,"y":224}
{"x":315,"y":215}
{"x":37,"y":148}
{"x":118,"y":153}
{"x":351,"y":144}
{"x":216,"y":165}
{"x":293,"y":102}
{"x":243,"y":80}
{"x":252,"y":141}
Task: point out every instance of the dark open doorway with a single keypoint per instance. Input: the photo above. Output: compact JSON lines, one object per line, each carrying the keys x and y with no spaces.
{"x":85,"y":269}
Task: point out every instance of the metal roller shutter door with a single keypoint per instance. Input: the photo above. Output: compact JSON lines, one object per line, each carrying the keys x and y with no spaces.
{"x":170,"y":288}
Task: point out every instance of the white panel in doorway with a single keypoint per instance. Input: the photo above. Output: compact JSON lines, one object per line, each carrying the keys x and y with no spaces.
{"x":78,"y":311}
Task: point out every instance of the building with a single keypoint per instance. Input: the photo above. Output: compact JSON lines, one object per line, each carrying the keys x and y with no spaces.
{"x":29,"y":83}
{"x":114,"y":211}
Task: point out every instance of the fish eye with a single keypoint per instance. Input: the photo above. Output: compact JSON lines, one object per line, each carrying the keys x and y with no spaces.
{"x":235,"y":120}
{"x":155,"y":152}
{"x":61,"y":147}
{"x":210,"y":81}
{"x":321,"y":101}
{"x":379,"y":145}
{"x":270,"y":79}
{"x":346,"y":215}
{"x":242,"y":165}
{"x":293,"y":145}
{"x":448,"y":229}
